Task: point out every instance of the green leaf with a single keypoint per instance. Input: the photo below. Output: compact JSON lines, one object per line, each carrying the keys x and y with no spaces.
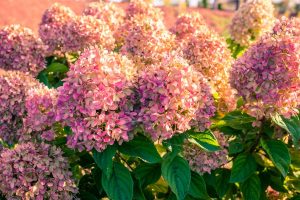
{"x":141,"y":147}
{"x":57,"y":68}
{"x":237,"y":120}
{"x":235,"y":147}
{"x":243,"y":167}
{"x":251,"y":188}
{"x":87,"y":196}
{"x":174,"y":144}
{"x":97,"y":174}
{"x":291,"y":125}
{"x":206,"y":140}
{"x":43,"y":78}
{"x":222,"y":182}
{"x":119,"y":186}
{"x":137,"y":191}
{"x":104,"y":159}
{"x":176,"y":171}
{"x":296,"y":197}
{"x":198,"y":187}
{"x":147,"y":173}
{"x":279,"y":154}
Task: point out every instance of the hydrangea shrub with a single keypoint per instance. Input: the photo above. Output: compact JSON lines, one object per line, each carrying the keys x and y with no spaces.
{"x":110,"y":104}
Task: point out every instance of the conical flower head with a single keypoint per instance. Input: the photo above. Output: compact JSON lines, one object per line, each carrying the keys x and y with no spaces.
{"x":21,"y":50}
{"x":267,"y":75}
{"x":92,"y":100}
{"x":251,"y":21}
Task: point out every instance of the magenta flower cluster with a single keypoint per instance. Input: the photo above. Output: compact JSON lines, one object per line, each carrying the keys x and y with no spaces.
{"x":85,"y":31}
{"x":106,"y":12}
{"x":142,"y":7}
{"x":14,"y":86}
{"x":147,"y":41}
{"x":214,"y":66}
{"x":91,"y":99}
{"x":188,"y":24}
{"x":63,"y":31}
{"x":173,"y":96}
{"x":204,"y":162}
{"x":53,"y":27}
{"x":137,"y":14}
{"x":40,"y":104}
{"x":267,"y":75}
{"x":35,"y":171}
{"x":21,"y":50}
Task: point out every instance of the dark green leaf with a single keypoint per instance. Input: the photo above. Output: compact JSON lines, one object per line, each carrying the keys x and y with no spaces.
{"x":97,"y":174}
{"x":205,"y":140}
{"x":251,"y":188}
{"x":43,"y":78}
{"x":243,"y":167}
{"x":176,"y":171}
{"x":237,"y":120}
{"x":198,"y":187}
{"x":279,"y":154}
{"x":296,"y":197}
{"x":222,"y":182}
{"x":291,"y":125}
{"x":147,"y":173}
{"x":174,"y":144}
{"x":138,"y":192}
{"x":104,"y":159}
{"x":87,"y":196}
{"x":141,"y":147}
{"x":119,"y":186}
{"x":57,"y":68}
{"x":235,"y":147}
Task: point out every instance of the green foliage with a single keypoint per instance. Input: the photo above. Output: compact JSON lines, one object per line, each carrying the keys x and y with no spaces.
{"x":147,"y":174}
{"x":251,"y":188}
{"x":205,"y":140}
{"x":176,"y":171}
{"x":236,"y":49}
{"x":141,"y":147}
{"x":55,"y":71}
{"x":243,"y":167}
{"x":291,"y":125}
{"x":279,"y":154}
{"x":197,"y":187}
{"x":119,"y":186}
{"x":104,"y":160}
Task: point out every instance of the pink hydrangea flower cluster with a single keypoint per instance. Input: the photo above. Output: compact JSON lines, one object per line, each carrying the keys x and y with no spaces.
{"x":53,"y":26}
{"x":85,"y":31}
{"x":286,"y":27}
{"x":136,"y":12}
{"x":173,"y":96}
{"x":21,"y":50}
{"x":123,"y":31}
{"x":92,"y":98}
{"x":106,"y":12}
{"x":63,"y":31}
{"x":40,"y":104}
{"x":251,"y":21}
{"x":214,"y":66}
{"x":267,"y":75}
{"x":35,"y":171}
{"x":148,"y":41}
{"x":142,"y":7}
{"x":188,"y":24}
{"x":202,"y":161}
{"x":14,"y":86}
